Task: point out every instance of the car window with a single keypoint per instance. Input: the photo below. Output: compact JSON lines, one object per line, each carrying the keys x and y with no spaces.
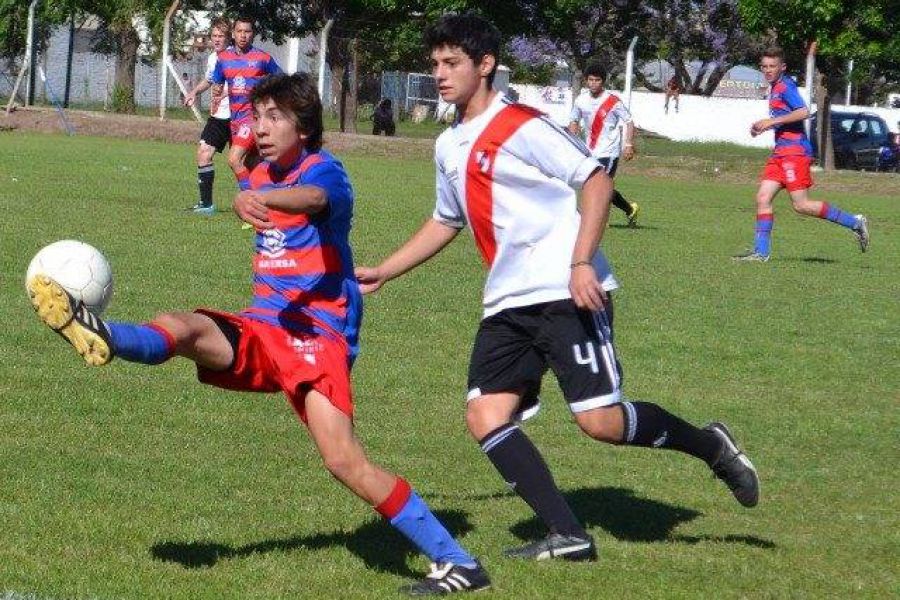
{"x":875,"y":127}
{"x":845,"y":125}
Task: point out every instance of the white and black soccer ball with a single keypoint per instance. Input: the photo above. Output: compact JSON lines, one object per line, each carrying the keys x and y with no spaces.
{"x":80,"y":268}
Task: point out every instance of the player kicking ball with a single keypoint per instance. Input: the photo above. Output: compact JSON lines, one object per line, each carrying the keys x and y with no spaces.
{"x":510,"y":174}
{"x":300,"y":334}
{"x":789,"y":165}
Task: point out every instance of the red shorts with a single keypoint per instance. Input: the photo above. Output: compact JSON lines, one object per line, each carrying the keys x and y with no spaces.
{"x":272,"y":359}
{"x":242,"y":134}
{"x":792,"y":172}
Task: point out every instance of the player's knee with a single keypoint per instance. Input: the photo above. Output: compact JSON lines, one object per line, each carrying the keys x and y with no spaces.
{"x":604,"y":424}
{"x":480,"y":421}
{"x":341,"y":464}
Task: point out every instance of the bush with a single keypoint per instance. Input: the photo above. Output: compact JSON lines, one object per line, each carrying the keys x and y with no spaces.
{"x":122,"y":100}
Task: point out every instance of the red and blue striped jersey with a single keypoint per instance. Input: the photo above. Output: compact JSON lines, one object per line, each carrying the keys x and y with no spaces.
{"x":790,"y":139}
{"x":242,"y":72}
{"x":303,"y":276}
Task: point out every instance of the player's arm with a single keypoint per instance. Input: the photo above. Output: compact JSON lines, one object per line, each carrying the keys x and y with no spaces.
{"x":252,"y":206}
{"x":430,"y":239}
{"x":198,"y":89}
{"x":586,"y":289}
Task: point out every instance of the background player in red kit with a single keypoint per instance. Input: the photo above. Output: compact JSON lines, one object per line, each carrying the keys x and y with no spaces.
{"x":509,"y":173}
{"x":789,"y":165}
{"x":300,"y":334}
{"x":242,"y":66}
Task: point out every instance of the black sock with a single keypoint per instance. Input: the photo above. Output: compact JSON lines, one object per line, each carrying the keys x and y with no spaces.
{"x":621,"y":203}
{"x":523,"y":468}
{"x":651,"y":426}
{"x":205,"y":176}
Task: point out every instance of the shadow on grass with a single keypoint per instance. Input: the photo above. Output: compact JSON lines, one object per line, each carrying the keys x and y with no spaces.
{"x":814,"y":260}
{"x":376,"y":543}
{"x":632,"y":519}
{"x":635,"y":227}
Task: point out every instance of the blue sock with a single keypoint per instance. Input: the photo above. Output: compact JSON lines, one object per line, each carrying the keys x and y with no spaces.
{"x":416,"y":521}
{"x":763,"y":240}
{"x":140,"y":343}
{"x":836,"y":215}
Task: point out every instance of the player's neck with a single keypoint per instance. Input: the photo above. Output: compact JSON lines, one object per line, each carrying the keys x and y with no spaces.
{"x":476,"y":105}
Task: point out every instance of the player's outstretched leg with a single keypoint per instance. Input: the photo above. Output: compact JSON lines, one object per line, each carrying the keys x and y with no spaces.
{"x":648,"y":425}
{"x":71,"y":319}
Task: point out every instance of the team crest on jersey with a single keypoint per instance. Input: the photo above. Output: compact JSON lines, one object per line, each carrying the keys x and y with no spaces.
{"x":273,"y":243}
{"x":239,"y":83}
{"x":483,"y":160}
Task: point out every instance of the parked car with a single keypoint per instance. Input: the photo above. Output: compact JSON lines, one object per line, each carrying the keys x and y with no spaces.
{"x":861,"y":141}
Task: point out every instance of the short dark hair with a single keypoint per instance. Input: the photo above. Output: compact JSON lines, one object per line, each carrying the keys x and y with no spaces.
{"x":595,"y":70}
{"x":245,"y":19}
{"x":774,"y":52}
{"x":296,"y":95}
{"x":472,"y":33}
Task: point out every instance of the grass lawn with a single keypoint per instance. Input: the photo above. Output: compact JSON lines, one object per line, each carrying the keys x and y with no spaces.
{"x":136,"y":482}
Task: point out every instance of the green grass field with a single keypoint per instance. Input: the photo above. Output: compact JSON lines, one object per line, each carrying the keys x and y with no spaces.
{"x":137,"y":482}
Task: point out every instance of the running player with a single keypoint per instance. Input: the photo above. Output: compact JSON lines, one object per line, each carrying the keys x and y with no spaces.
{"x":300,"y":334}
{"x":602,"y":115}
{"x":789,"y":165}
{"x":242,"y":66}
{"x":216,"y":133}
{"x":510,"y":174}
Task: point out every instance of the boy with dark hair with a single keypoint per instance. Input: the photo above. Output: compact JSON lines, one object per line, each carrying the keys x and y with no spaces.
{"x":789,"y":165}
{"x":602,"y":115}
{"x":242,"y":66}
{"x":510,"y":174}
{"x":300,"y":334}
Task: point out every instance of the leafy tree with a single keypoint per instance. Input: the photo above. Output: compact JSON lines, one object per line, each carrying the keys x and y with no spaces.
{"x":14,"y":26}
{"x":865,"y":30}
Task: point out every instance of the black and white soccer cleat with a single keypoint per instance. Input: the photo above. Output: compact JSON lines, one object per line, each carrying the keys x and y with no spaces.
{"x":447,"y":578}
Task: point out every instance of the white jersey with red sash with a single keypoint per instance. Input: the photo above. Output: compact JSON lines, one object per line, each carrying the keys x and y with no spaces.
{"x":601,"y":118}
{"x":509,"y":174}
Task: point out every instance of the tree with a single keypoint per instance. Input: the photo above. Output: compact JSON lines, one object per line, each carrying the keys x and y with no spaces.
{"x":864,"y":30}
{"x":118,"y":34}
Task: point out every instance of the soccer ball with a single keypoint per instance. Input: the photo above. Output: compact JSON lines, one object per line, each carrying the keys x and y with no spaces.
{"x":80,"y":268}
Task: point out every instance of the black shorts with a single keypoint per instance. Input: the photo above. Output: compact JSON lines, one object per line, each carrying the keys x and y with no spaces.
{"x":216,"y":133}
{"x":610,"y":163}
{"x":514,"y":348}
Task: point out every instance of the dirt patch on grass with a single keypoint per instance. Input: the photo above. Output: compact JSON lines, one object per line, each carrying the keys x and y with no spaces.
{"x":176,"y":131}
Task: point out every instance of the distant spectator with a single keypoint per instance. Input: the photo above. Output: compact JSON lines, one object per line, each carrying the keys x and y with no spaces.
{"x":673,"y":91}
{"x":383,"y":118}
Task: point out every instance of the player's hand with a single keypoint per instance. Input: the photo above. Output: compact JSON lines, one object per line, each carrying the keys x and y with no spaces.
{"x":370,"y":279}
{"x":760,"y":126}
{"x":587,"y":293}
{"x":628,"y":152}
{"x":190,"y":98}
{"x":250,"y":208}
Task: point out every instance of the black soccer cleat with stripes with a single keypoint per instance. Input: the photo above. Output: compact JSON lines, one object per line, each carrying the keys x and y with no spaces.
{"x":555,"y":545}
{"x":447,"y":578}
{"x":71,"y":319}
{"x":734,"y":468}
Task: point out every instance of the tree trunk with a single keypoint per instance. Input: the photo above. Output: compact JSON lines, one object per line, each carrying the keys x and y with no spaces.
{"x":127,"y":42}
{"x":351,"y":89}
{"x":712,"y":82}
{"x":823,"y":123}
